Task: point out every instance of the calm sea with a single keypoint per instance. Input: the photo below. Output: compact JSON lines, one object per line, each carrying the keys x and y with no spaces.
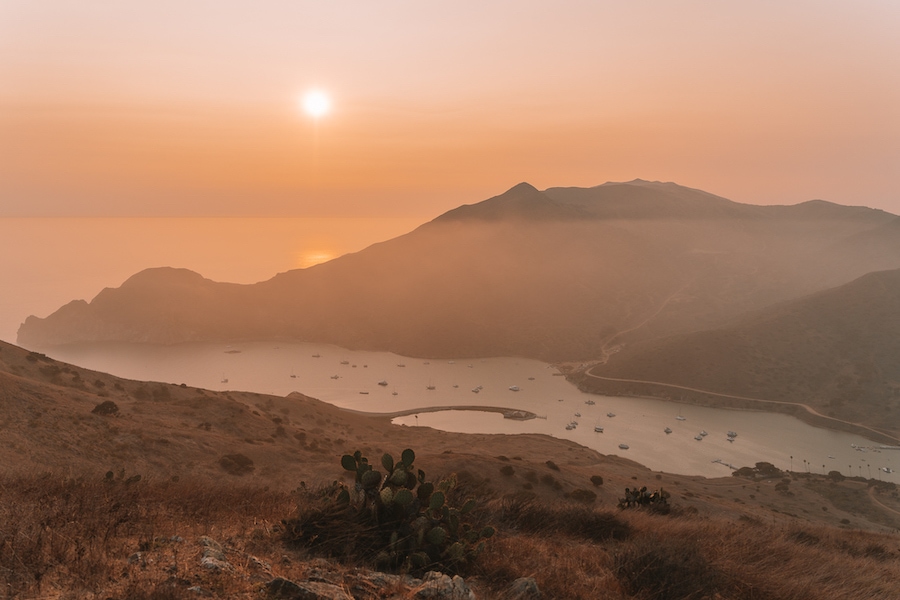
{"x":47,"y":262}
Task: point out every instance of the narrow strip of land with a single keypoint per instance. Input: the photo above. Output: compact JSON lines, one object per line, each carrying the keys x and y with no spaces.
{"x":806,"y":407}
{"x":512,"y":413}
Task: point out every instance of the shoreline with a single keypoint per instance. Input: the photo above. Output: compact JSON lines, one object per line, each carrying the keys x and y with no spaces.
{"x":799,"y":410}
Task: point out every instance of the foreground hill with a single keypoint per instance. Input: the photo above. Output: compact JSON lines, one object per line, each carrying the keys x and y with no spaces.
{"x":835,"y":350}
{"x":118,"y":488}
{"x":563,"y":274}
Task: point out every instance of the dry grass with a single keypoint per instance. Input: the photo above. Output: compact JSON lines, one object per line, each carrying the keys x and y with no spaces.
{"x":83,"y":536}
{"x":71,"y":538}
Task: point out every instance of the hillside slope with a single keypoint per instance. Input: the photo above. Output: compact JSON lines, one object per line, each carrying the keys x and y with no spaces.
{"x":554,"y":275}
{"x":836,"y":350}
{"x":128,"y":503}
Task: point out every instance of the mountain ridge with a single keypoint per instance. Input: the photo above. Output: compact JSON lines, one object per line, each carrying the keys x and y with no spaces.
{"x":502,"y":278}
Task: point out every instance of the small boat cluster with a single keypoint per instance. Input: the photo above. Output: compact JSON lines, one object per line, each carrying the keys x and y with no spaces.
{"x":571,"y":425}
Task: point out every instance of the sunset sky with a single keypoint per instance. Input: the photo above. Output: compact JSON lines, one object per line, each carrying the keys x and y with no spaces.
{"x":175,"y":108}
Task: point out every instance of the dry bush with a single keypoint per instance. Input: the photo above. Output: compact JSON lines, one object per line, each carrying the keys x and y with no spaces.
{"x":329,"y":528}
{"x":236,"y":464}
{"x":573,"y":520}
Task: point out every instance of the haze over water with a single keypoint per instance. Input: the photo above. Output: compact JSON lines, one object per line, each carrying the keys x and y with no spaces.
{"x":48,"y":262}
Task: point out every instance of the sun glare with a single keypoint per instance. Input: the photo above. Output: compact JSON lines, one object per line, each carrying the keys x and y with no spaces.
{"x":313,"y":257}
{"x":316,"y":103}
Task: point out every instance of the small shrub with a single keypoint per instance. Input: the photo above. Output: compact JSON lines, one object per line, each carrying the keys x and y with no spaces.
{"x":836,"y":476}
{"x":49,"y":370}
{"x":507,"y":470}
{"x":106,"y":408}
{"x":597,"y":480}
{"x":552,"y":465}
{"x":236,"y":464}
{"x":658,"y":500}
{"x":549,"y":480}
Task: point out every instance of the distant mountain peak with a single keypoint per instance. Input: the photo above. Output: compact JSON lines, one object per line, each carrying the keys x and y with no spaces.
{"x":522,"y":201}
{"x":157,"y":275}
{"x":520,"y":187}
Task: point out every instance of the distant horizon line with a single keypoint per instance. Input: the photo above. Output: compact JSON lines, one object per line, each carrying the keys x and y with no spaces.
{"x":412,"y":216}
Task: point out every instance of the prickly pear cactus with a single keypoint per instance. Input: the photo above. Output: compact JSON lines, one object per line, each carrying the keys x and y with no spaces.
{"x":421,"y":531}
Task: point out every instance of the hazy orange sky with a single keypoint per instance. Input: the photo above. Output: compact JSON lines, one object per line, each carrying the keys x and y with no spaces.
{"x":171,"y":108}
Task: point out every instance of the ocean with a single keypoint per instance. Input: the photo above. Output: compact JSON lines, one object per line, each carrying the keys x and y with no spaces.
{"x":48,"y":262}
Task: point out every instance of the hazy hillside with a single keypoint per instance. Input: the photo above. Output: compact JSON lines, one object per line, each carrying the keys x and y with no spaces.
{"x":556,"y":275}
{"x":836,"y":350}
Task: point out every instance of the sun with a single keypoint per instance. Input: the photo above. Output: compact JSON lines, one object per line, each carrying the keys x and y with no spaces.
{"x":316,"y":103}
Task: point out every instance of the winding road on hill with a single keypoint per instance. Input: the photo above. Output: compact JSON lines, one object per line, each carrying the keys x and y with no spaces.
{"x":809,"y":409}
{"x":874,"y":498}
